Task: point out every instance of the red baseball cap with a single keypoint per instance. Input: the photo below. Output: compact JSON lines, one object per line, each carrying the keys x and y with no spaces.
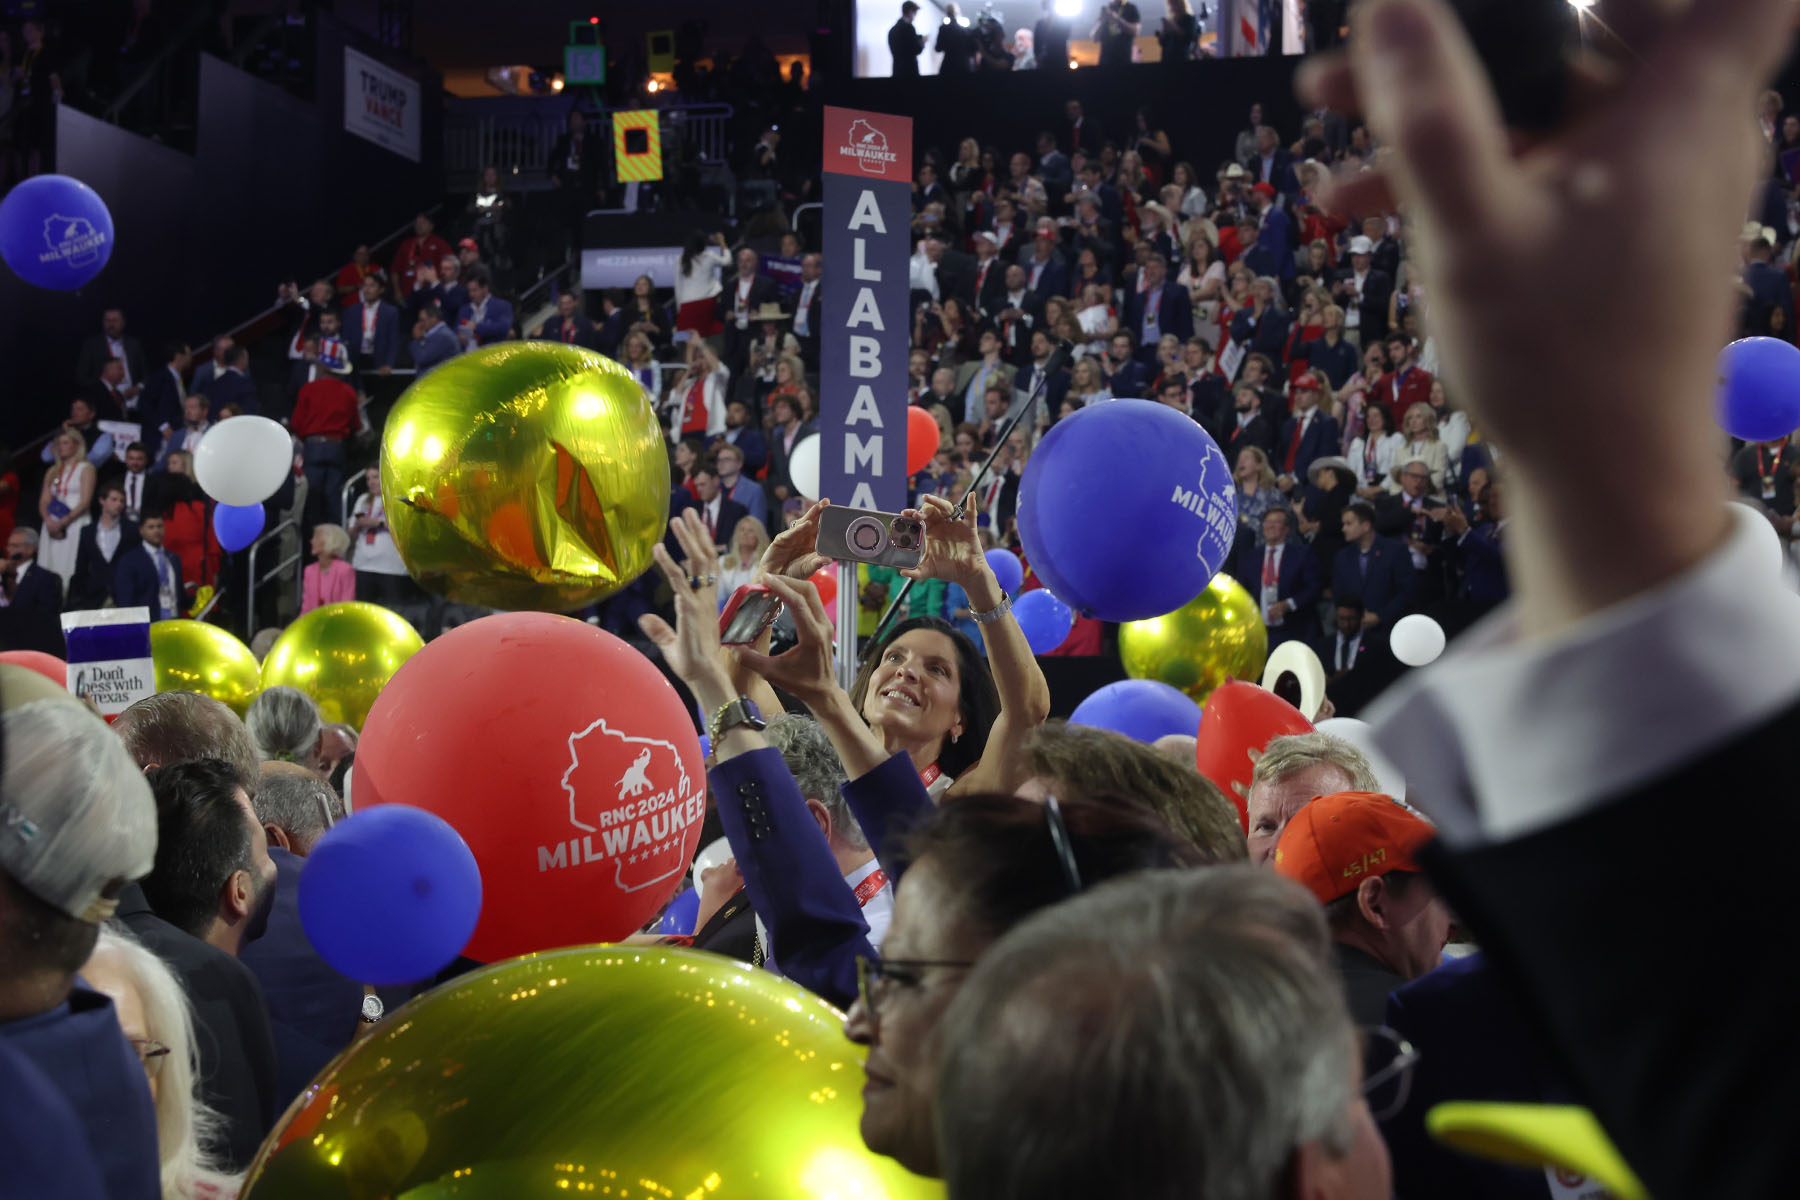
{"x":468,"y":244}
{"x":1264,"y":189}
{"x":1308,"y":380}
{"x":1337,"y":841}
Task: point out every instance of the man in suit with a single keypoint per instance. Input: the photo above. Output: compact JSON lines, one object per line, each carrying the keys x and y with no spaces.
{"x":1017,"y":314}
{"x":133,"y":478}
{"x":568,"y":324}
{"x":1045,"y":273}
{"x":1408,"y":517}
{"x":1026,"y":381}
{"x":1261,"y":326}
{"x":1126,"y":377}
{"x":214,"y":365}
{"x":233,"y":385}
{"x":1083,"y":135}
{"x":1275,"y":231}
{"x":432,"y":341}
{"x":373,"y":326}
{"x":194,"y":424}
{"x":111,"y":342}
{"x":1356,"y":660}
{"x":486,"y":318}
{"x":955,"y":270}
{"x":719,"y":511}
{"x":975,"y":377}
{"x":1306,"y":435}
{"x":1054,"y":169}
{"x":736,"y":486}
{"x":744,"y":292}
{"x":24,"y":585}
{"x":741,"y":432}
{"x":314,"y":1011}
{"x":928,"y":190}
{"x":1474,"y":541}
{"x":1384,"y":251}
{"x":1362,"y":292}
{"x":1159,"y":307}
{"x":990,"y":272}
{"x":148,"y":575}
{"x":169,"y":731}
{"x":1374,"y":570}
{"x":107,"y":394}
{"x":905,"y":43}
{"x":1767,"y":284}
{"x":809,"y":309}
{"x":1284,"y":576}
{"x":101,"y":543}
{"x":1272,"y":163}
{"x":159,"y":407}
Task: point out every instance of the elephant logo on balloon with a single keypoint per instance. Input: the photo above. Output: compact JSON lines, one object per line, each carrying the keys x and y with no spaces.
{"x":73,"y":240}
{"x":634,"y":801}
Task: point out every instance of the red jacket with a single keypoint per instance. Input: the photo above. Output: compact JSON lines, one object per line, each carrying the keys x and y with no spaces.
{"x":1414,"y":389}
{"x":413,"y":252}
{"x":326,"y":407}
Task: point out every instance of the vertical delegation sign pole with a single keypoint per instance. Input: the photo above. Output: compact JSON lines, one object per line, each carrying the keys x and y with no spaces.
{"x":863,"y":345}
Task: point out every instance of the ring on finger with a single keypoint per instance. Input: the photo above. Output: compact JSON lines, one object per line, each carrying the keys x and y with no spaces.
{"x":702,"y":581}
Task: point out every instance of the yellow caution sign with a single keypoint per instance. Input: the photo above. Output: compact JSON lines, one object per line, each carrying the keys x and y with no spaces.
{"x":637,"y":145}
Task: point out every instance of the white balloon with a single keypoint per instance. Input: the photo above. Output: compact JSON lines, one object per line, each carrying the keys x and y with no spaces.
{"x":719,"y":851}
{"x":244,"y":460}
{"x":1766,"y":535}
{"x":1362,"y":736}
{"x":1417,"y":640}
{"x":803,"y":466}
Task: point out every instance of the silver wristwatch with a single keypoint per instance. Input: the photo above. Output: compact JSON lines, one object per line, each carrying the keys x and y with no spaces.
{"x":993,"y":614}
{"x":372,"y":1008}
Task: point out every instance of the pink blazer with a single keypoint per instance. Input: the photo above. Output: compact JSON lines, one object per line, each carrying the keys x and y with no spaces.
{"x":338,"y":583}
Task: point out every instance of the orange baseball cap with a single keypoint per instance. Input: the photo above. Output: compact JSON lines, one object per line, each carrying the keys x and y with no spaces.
{"x":1337,"y":841}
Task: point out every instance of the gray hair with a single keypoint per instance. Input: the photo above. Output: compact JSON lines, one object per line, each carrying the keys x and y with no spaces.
{"x":299,"y":803}
{"x":30,"y":535}
{"x":816,"y":768}
{"x":1289,"y":755}
{"x":1190,"y":1011}
{"x":171,"y":728}
{"x":337,"y":542}
{"x":284,"y":724}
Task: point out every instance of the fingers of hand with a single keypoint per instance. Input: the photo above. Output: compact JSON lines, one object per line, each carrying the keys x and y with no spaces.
{"x":665,"y":562}
{"x":656,"y":629}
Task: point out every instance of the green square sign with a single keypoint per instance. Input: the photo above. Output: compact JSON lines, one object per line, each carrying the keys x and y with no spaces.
{"x":584,"y":65}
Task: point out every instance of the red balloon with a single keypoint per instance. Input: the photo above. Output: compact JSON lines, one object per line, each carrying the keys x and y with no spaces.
{"x":922,"y":439}
{"x":48,"y":665}
{"x":825,"y":579}
{"x":565,"y":760}
{"x":1238,"y":721}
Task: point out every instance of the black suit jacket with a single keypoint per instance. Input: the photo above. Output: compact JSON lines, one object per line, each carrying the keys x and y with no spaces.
{"x":107,"y":405}
{"x":94,"y":353}
{"x":905,"y":43}
{"x":584,"y":334}
{"x":135,"y":582}
{"x":956,"y":276}
{"x":730,"y":513}
{"x":1374,"y":667}
{"x":231,"y":387}
{"x":159,"y":404}
{"x":92,"y":584}
{"x":231,"y":1026}
{"x":763,"y":290}
{"x":1376,"y":289}
{"x":39,"y":590}
{"x":1258,"y":433}
{"x":1688,"y":1061}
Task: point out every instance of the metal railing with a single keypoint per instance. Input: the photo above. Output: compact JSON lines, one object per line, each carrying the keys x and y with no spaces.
{"x":256,"y":583}
{"x":520,"y":144}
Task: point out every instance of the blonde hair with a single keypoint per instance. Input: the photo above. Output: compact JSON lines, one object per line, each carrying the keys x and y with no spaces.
{"x":337,"y":542}
{"x":796,"y":368}
{"x":1265,"y":477}
{"x":1431,"y":424}
{"x":731,"y":561}
{"x":186,"y":1128}
{"x":1084,"y":368}
{"x":1285,"y":756}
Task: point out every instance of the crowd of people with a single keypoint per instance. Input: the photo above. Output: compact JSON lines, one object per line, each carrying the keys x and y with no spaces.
{"x":1055,"y":942}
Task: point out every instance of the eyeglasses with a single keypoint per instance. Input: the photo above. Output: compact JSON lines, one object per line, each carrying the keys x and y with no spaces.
{"x":151,"y":1053}
{"x":1059,"y":841}
{"x":876,"y":978}
{"x":1388,"y":1062}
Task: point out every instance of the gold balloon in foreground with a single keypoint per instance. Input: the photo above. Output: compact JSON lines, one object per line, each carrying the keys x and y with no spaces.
{"x":602,"y":1071}
{"x":1218,"y":635}
{"x":192,"y":656}
{"x":341,"y":655}
{"x":526,"y":475}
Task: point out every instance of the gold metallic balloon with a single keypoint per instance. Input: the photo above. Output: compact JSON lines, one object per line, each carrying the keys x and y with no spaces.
{"x":610,"y":1071}
{"x":1218,"y":635}
{"x":192,"y":656}
{"x":341,"y":655}
{"x":526,"y":475}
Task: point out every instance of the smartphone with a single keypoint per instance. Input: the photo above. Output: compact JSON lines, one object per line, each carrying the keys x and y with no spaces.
{"x":750,"y":610}
{"x":866,"y":536}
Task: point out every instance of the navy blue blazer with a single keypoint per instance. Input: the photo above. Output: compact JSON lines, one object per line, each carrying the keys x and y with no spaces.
{"x":92,"y":584}
{"x":230,"y":387}
{"x":888,"y":804}
{"x":1129,"y":381}
{"x":1484,"y":566}
{"x":496,"y":321}
{"x":1053,"y":280}
{"x":1321,"y":440}
{"x":387,"y":331}
{"x":755,"y":449}
{"x":313,"y":1010}
{"x":1268,"y":333}
{"x":438,"y":345}
{"x":1388,"y":587}
{"x":1300,"y":584}
{"x":39,"y":590}
{"x":816,"y":927}
{"x":159,"y":405}
{"x":1175,"y":315}
{"x":45,"y":1145}
{"x":134,"y":581}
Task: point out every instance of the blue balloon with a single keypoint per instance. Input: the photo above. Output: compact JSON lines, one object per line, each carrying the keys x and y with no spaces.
{"x":1759,"y":389}
{"x":1143,"y":709}
{"x":678,"y":918}
{"x":55,"y":232}
{"x":237,"y":525}
{"x":390,"y":895}
{"x":1045,"y":620}
{"x":1127,"y":510}
{"x":1007,"y":568}
{"x":705,"y":746}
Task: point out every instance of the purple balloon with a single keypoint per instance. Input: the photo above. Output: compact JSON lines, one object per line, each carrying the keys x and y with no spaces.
{"x":1759,"y":389}
{"x":1007,"y":568}
{"x":1045,"y":620}
{"x":237,"y":525}
{"x":1142,"y":709}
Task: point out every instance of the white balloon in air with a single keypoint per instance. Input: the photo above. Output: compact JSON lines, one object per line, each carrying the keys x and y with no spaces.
{"x":244,"y":460}
{"x":803,"y":466}
{"x":1417,"y":640}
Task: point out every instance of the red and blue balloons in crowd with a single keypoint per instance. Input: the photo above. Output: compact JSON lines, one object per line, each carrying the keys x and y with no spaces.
{"x":1240,"y":720}
{"x":1008,"y":571}
{"x":1759,"y":389}
{"x":55,"y":232}
{"x":1126,"y":510}
{"x":922,"y":439}
{"x":1142,"y":709}
{"x":237,"y":525}
{"x":1045,"y":620}
{"x":566,"y":761}
{"x":390,"y":895}
{"x":678,"y":919}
